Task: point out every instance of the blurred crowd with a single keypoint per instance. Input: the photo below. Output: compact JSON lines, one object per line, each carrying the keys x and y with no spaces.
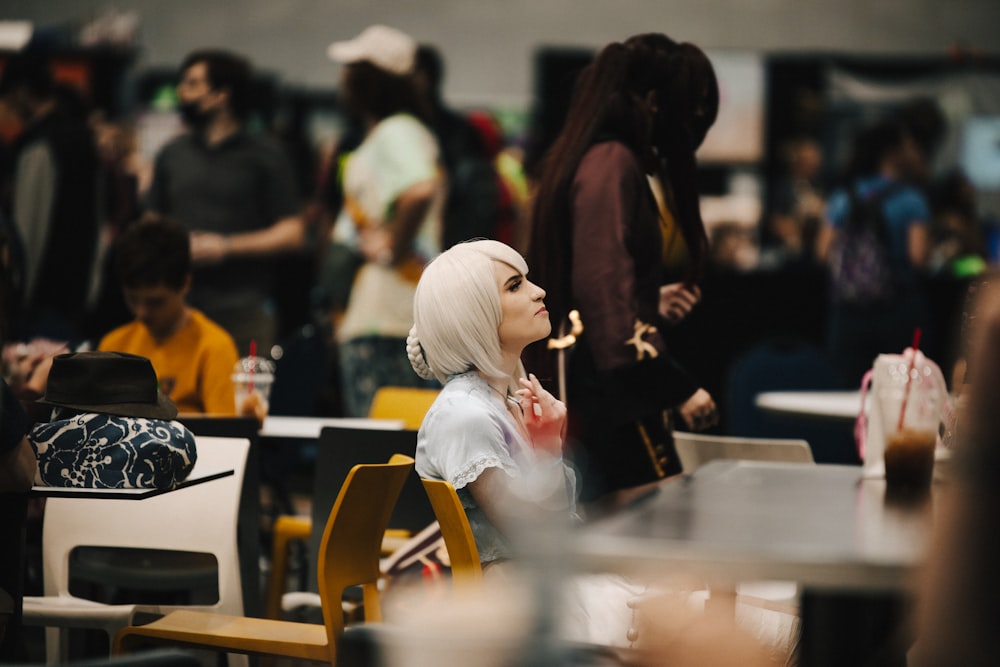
{"x":241,"y":235}
{"x":306,"y":279}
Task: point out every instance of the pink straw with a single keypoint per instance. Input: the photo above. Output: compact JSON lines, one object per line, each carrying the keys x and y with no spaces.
{"x":909,"y":379}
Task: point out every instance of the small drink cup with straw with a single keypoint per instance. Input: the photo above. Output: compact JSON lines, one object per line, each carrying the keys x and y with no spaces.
{"x":911,"y":413}
{"x":252,"y":380}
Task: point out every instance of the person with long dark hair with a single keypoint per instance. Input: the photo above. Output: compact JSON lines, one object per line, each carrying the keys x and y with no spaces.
{"x":641,"y":109}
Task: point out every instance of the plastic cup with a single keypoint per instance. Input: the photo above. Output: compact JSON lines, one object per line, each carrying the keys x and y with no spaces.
{"x":252,"y":380}
{"x":909,"y":443}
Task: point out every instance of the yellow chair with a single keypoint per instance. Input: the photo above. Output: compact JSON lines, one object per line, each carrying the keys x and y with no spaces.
{"x":407,"y":403}
{"x":286,"y":529}
{"x":349,"y":556}
{"x":340,"y":448}
{"x":466,"y":570}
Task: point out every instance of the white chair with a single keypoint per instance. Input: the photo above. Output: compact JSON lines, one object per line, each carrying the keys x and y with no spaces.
{"x":201,"y":518}
{"x":695,"y":449}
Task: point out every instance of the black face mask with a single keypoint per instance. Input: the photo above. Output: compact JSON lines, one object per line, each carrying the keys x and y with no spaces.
{"x":192,"y":115}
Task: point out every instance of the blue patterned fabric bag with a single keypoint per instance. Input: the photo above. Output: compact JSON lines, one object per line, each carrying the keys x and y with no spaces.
{"x":97,"y":450}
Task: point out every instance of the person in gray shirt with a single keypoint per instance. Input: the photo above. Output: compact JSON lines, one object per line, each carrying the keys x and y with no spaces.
{"x":235,"y":191}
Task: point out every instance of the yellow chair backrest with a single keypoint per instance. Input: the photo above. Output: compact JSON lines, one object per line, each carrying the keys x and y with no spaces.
{"x":409,"y":404}
{"x":466,"y":569}
{"x":352,"y":540}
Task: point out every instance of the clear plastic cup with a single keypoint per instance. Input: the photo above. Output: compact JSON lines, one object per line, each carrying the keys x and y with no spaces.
{"x":252,"y":380}
{"x":910,"y":407}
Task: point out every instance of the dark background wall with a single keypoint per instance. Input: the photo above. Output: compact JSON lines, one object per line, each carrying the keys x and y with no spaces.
{"x":489,"y":44}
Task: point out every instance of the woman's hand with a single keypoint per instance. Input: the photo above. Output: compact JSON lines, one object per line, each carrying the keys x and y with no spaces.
{"x":38,"y":377}
{"x":699,"y":411}
{"x":29,"y":374}
{"x":677,"y":300}
{"x":544,"y":416}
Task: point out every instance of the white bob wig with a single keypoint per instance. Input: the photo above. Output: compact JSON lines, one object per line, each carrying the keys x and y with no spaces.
{"x":457,"y":312}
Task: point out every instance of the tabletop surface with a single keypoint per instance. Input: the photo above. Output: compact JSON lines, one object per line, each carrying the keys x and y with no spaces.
{"x":309,"y":427}
{"x":820,"y":525}
{"x":826,"y":404}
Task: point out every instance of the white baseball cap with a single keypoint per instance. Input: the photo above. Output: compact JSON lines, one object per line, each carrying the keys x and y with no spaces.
{"x":382,"y":46}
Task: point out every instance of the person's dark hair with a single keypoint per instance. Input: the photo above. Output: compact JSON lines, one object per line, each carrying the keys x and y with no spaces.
{"x":28,"y":70}
{"x":72,"y":101}
{"x":871,"y":145}
{"x":953,"y":191}
{"x":154,"y":251}
{"x":925,"y":122}
{"x":374,"y":91}
{"x":608,"y":104}
{"x":6,"y":283}
{"x":226,"y":71}
{"x":429,"y":61}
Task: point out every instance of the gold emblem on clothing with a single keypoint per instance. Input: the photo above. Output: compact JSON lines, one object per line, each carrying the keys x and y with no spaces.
{"x":642,"y":347}
{"x":576,"y":328}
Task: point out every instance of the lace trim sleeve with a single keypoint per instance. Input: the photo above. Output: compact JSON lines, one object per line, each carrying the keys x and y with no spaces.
{"x":472,"y":472}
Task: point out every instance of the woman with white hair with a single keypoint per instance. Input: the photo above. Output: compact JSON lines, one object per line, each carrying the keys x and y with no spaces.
{"x":474,"y":312}
{"x":495,"y":434}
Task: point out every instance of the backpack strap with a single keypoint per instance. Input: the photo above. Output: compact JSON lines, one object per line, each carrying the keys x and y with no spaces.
{"x":873,"y":203}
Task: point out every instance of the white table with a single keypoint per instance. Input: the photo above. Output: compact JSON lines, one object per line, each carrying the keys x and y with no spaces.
{"x":830,"y":405}
{"x":309,"y":427}
{"x":196,"y":477}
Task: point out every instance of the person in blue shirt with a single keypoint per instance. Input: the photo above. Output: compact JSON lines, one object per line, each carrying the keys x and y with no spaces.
{"x":877,"y":171}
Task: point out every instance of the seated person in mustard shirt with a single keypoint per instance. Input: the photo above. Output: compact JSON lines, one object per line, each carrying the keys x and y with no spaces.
{"x":192,"y":355}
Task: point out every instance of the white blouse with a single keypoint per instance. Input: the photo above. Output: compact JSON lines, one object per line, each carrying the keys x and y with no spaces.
{"x":467,"y":431}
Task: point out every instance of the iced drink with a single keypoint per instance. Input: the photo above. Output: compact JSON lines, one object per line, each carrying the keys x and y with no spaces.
{"x":252,"y":380}
{"x":910,"y":410}
{"x":909,"y":459}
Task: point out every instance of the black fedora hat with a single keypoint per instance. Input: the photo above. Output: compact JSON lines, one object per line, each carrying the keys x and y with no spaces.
{"x":113,"y":383}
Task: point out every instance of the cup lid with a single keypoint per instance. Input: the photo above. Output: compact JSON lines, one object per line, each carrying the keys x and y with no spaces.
{"x":257,"y":369}
{"x":254,"y":364}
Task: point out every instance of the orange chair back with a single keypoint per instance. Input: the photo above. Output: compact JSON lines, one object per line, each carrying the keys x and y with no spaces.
{"x":466,"y":570}
{"x":352,"y":540}
{"x":409,"y":404}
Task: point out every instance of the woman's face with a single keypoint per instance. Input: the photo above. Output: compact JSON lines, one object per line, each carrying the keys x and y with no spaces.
{"x":524,"y":318}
